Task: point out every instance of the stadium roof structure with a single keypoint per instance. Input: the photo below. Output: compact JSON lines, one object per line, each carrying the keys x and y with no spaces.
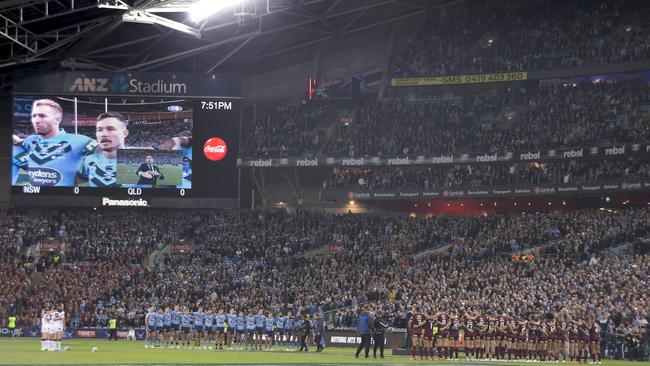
{"x":158,"y":35}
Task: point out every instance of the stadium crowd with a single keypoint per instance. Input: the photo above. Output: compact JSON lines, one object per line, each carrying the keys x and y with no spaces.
{"x":249,"y":259}
{"x":536,"y":36}
{"x":569,"y":172}
{"x":548,"y":115}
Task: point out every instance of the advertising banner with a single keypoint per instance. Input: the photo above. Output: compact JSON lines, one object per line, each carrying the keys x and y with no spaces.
{"x":592,"y":152}
{"x":481,"y":192}
{"x":460,"y":79}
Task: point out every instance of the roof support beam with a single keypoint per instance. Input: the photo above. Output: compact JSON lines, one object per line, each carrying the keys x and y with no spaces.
{"x":229,"y":55}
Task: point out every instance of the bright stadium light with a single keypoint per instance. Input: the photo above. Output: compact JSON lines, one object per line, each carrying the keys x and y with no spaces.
{"x":204,"y":8}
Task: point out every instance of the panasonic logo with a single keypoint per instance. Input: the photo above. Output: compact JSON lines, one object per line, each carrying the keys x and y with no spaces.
{"x":125,"y":203}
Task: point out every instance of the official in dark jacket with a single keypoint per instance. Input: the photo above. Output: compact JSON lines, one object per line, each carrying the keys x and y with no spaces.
{"x":380,"y":325}
{"x":319,"y":326}
{"x":305,"y":334}
{"x":148,"y":172}
{"x":364,"y":327}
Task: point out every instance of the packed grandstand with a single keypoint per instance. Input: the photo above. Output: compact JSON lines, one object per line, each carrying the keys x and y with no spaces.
{"x":587,"y":266}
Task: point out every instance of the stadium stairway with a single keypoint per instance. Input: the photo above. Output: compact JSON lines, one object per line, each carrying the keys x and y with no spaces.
{"x":36,"y":278}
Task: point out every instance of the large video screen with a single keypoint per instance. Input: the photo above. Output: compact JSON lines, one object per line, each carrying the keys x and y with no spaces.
{"x":126,"y":150}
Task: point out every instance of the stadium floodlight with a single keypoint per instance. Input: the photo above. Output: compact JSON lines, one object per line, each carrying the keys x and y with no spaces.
{"x":144,"y":17}
{"x":204,"y":8}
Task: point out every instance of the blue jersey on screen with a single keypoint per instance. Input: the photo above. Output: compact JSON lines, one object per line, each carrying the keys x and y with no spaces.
{"x":19,"y":160}
{"x":187,"y":167}
{"x":167,"y":319}
{"x":56,"y":161}
{"x":99,"y":170}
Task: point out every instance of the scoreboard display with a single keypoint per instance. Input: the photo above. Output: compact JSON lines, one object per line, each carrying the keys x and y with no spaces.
{"x":137,"y":140}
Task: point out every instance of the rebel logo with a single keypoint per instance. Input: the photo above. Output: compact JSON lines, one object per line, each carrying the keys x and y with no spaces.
{"x":215,"y":149}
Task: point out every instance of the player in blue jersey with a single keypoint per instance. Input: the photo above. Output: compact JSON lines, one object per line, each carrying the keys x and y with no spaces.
{"x":279,"y":329}
{"x":289,"y":330}
{"x":250,"y":329}
{"x":182,"y":142}
{"x":208,"y":323}
{"x":176,"y":324}
{"x":54,"y":156}
{"x":269,"y":328}
{"x":219,"y":329}
{"x":100,"y":168}
{"x":150,"y":328}
{"x":231,"y":318}
{"x":160,"y":330}
{"x":241,"y":329}
{"x":19,"y":160}
{"x":259,"y":329}
{"x":199,"y":316}
{"x":167,"y":325}
{"x":186,"y":327}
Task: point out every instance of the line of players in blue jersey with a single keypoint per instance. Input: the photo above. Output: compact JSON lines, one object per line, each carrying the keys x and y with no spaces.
{"x":167,"y":328}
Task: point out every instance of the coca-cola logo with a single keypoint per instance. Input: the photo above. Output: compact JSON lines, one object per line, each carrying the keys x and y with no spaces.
{"x":215,"y":149}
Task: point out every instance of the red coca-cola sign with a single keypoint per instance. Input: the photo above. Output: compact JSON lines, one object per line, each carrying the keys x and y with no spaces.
{"x":215,"y":149}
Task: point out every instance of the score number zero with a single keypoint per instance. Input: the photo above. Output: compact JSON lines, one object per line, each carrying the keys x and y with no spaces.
{"x":131,"y":191}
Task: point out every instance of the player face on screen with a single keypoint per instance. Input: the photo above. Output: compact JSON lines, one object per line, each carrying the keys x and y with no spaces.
{"x":148,"y":159}
{"x":46,"y":117}
{"x":111,"y":132}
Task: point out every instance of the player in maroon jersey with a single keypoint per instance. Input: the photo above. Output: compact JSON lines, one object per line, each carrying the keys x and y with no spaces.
{"x":468,"y":326}
{"x":427,"y":342}
{"x":454,"y":334}
{"x":543,"y":340}
{"x":502,"y":340}
{"x":594,"y":341}
{"x":512,"y":337}
{"x":417,"y":327}
{"x":443,"y":336}
{"x":481,"y":333}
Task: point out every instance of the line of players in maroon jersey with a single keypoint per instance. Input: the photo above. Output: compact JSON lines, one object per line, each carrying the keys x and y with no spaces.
{"x":484,"y":337}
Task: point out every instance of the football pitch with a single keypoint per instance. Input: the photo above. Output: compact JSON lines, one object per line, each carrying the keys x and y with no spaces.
{"x":173,"y":174}
{"x":17,"y":351}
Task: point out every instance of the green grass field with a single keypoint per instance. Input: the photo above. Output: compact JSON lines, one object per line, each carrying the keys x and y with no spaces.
{"x":173,"y":174}
{"x":21,"y":351}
